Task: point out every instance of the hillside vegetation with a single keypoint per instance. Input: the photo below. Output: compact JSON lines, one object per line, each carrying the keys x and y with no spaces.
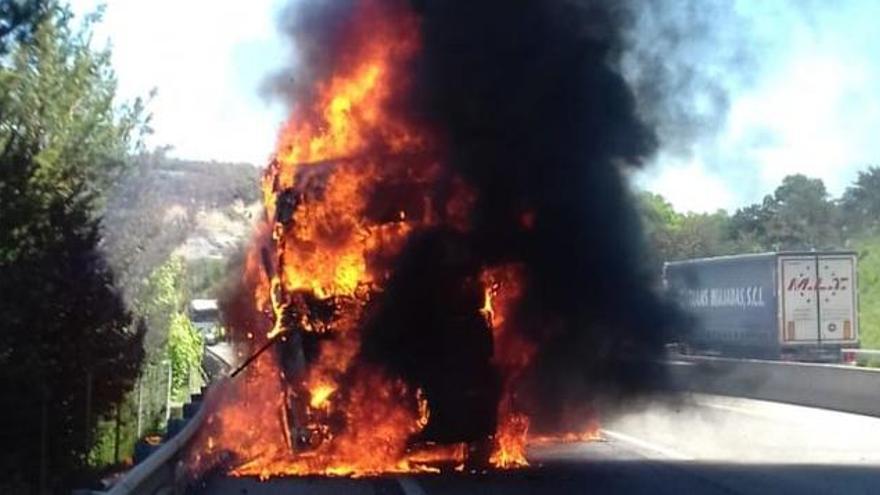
{"x":869,"y":291}
{"x":169,"y":229}
{"x":198,"y":210}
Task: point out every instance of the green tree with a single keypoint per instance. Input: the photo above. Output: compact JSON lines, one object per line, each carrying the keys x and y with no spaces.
{"x":659,"y":221}
{"x":869,"y":291}
{"x":799,"y":215}
{"x":69,"y":348}
{"x":185,"y":353}
{"x":674,"y":235}
{"x":18,"y":18}
{"x":748,"y":227}
{"x":172,"y":337}
{"x":702,"y":234}
{"x":205,"y":277}
{"x":860,"y":204}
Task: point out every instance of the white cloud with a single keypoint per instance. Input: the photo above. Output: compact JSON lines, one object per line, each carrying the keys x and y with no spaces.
{"x":687,"y":185}
{"x":809,"y":102}
{"x":817,"y":130}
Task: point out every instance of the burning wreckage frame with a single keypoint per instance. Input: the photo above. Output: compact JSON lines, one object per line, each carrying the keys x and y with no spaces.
{"x":307,"y":320}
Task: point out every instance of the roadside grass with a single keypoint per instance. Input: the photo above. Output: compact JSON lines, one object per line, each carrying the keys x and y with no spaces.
{"x":869,"y":297}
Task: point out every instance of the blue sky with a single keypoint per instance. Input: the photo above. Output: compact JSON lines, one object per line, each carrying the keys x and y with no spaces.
{"x":806,"y":98}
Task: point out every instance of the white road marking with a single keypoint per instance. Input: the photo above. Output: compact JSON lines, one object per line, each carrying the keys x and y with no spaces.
{"x":666,"y":451}
{"x":410,"y":486}
{"x":741,"y":410}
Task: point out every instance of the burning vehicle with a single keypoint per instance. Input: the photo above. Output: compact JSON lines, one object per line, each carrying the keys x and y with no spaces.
{"x":447,"y":265}
{"x":311,"y":323}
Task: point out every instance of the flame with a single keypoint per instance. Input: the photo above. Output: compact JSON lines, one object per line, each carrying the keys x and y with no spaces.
{"x":320,"y":394}
{"x":321,"y":252}
{"x":254,"y":271}
{"x":315,"y":249}
{"x":510,"y":451}
{"x":503,"y":287}
{"x":454,"y":454}
{"x":488,"y":310}
{"x":592,"y":434}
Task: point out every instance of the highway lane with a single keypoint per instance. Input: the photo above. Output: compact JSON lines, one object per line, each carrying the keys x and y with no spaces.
{"x":697,"y":444}
{"x":726,"y":429}
{"x":225,"y":351}
{"x":220,"y":359}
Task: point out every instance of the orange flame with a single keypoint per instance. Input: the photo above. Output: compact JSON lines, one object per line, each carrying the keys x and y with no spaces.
{"x":323,"y":243}
{"x":329,"y":155}
{"x":503,"y":287}
{"x":510,"y":451}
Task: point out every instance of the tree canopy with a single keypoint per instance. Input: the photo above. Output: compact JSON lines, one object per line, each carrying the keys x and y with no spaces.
{"x":799,"y":215}
{"x":860,"y":204}
{"x":18,"y":18}
{"x":69,"y":348}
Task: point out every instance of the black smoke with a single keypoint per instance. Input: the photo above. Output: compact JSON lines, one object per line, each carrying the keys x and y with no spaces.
{"x":531,"y":111}
{"x":535,"y":117}
{"x":684,"y":59}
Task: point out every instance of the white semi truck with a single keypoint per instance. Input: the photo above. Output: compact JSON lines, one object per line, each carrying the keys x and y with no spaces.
{"x":785,"y":305}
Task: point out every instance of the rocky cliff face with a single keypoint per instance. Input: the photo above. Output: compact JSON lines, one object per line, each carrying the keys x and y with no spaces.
{"x":164,"y":206}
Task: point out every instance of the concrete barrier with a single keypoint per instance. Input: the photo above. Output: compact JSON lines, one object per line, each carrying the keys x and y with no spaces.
{"x":829,"y":386}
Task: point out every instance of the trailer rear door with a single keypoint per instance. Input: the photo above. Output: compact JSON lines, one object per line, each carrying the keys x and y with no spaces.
{"x":837,"y":307}
{"x":800,"y":309}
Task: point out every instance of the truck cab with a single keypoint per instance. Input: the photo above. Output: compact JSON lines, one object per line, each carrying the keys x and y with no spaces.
{"x":206,"y":318}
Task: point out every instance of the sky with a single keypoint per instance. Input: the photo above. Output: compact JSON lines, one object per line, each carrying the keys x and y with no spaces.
{"x":802,"y":96}
{"x":768,"y":88}
{"x":206,"y":60}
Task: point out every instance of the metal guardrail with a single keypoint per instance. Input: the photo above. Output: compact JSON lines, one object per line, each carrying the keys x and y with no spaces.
{"x":157,"y":473}
{"x":867,"y":352}
{"x":848,"y":355}
{"x":829,"y":386}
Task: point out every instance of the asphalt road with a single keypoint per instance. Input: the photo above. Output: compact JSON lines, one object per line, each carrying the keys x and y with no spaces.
{"x":226,"y":352}
{"x":700,"y":444}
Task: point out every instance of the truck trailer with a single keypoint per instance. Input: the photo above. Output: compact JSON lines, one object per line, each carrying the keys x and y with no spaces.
{"x":780,"y":305}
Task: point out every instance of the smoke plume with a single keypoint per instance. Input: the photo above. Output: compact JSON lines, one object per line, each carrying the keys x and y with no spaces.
{"x":532,"y":117}
{"x":535,"y":119}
